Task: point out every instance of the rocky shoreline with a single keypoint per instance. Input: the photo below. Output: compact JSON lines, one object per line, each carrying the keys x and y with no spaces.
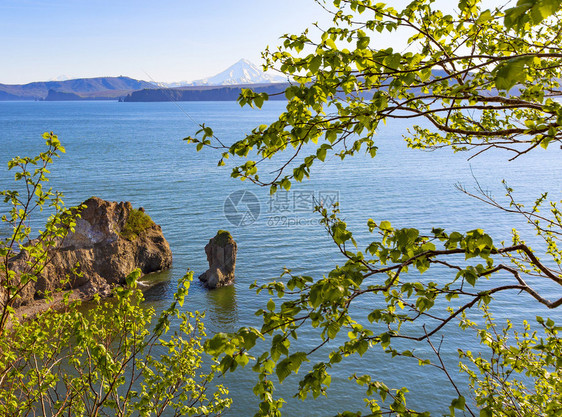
{"x":110,"y":240}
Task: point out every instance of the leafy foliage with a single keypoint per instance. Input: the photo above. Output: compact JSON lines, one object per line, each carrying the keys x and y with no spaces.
{"x":32,"y":172}
{"x":501,"y":383}
{"x":477,"y":83}
{"x":107,"y":361}
{"x":115,"y":359}
{"x":482,"y":79}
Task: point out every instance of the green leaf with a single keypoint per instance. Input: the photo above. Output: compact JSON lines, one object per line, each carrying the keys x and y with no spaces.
{"x":314,"y":64}
{"x":283,"y":370}
{"x":486,"y":412}
{"x":512,"y":72}
{"x":271,"y":305}
{"x":333,"y":329}
{"x":458,"y":403}
{"x":385,"y":225}
{"x":363,"y":42}
{"x":485,"y":16}
{"x":321,"y":154}
{"x":331,"y":44}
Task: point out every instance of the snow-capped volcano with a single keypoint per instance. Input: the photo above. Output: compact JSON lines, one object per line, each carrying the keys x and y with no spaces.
{"x":243,"y":72}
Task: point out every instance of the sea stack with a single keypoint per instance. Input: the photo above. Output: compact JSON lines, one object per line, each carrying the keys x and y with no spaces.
{"x":109,"y":241}
{"x":221,"y":255}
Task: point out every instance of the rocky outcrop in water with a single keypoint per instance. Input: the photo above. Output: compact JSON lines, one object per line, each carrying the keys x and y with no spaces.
{"x":221,"y":255}
{"x":110,"y":240}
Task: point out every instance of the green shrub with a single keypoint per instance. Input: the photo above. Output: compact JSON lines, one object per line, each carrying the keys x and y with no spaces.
{"x":137,"y":222}
{"x":223,"y":237}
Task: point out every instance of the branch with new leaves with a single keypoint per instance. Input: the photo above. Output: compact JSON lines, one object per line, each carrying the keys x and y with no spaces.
{"x":474,"y":80}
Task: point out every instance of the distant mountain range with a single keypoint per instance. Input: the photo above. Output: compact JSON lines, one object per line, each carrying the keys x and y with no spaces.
{"x":83,"y":88}
{"x":241,"y":73}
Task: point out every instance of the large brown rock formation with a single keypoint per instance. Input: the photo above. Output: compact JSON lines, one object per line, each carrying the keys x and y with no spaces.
{"x":110,"y":240}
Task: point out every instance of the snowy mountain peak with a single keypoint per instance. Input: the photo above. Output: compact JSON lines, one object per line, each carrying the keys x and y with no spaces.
{"x":62,"y":77}
{"x":242,"y":72}
{"x":245,"y":61}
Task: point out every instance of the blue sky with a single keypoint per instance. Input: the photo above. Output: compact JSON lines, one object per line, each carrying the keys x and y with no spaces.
{"x":166,"y":40}
{"x":171,"y":40}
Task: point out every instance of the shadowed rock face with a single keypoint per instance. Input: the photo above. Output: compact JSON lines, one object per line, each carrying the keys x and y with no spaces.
{"x":104,"y":252}
{"x":221,"y":255}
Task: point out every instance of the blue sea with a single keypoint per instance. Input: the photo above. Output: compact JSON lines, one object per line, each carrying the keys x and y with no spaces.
{"x":134,"y":152}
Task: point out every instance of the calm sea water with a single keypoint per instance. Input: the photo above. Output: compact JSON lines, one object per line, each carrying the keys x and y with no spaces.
{"x":134,"y":152}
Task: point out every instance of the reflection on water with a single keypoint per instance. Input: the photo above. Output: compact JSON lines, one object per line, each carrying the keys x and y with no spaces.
{"x":222,"y":309}
{"x":157,"y":286}
{"x":5,"y":228}
{"x":219,"y":305}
